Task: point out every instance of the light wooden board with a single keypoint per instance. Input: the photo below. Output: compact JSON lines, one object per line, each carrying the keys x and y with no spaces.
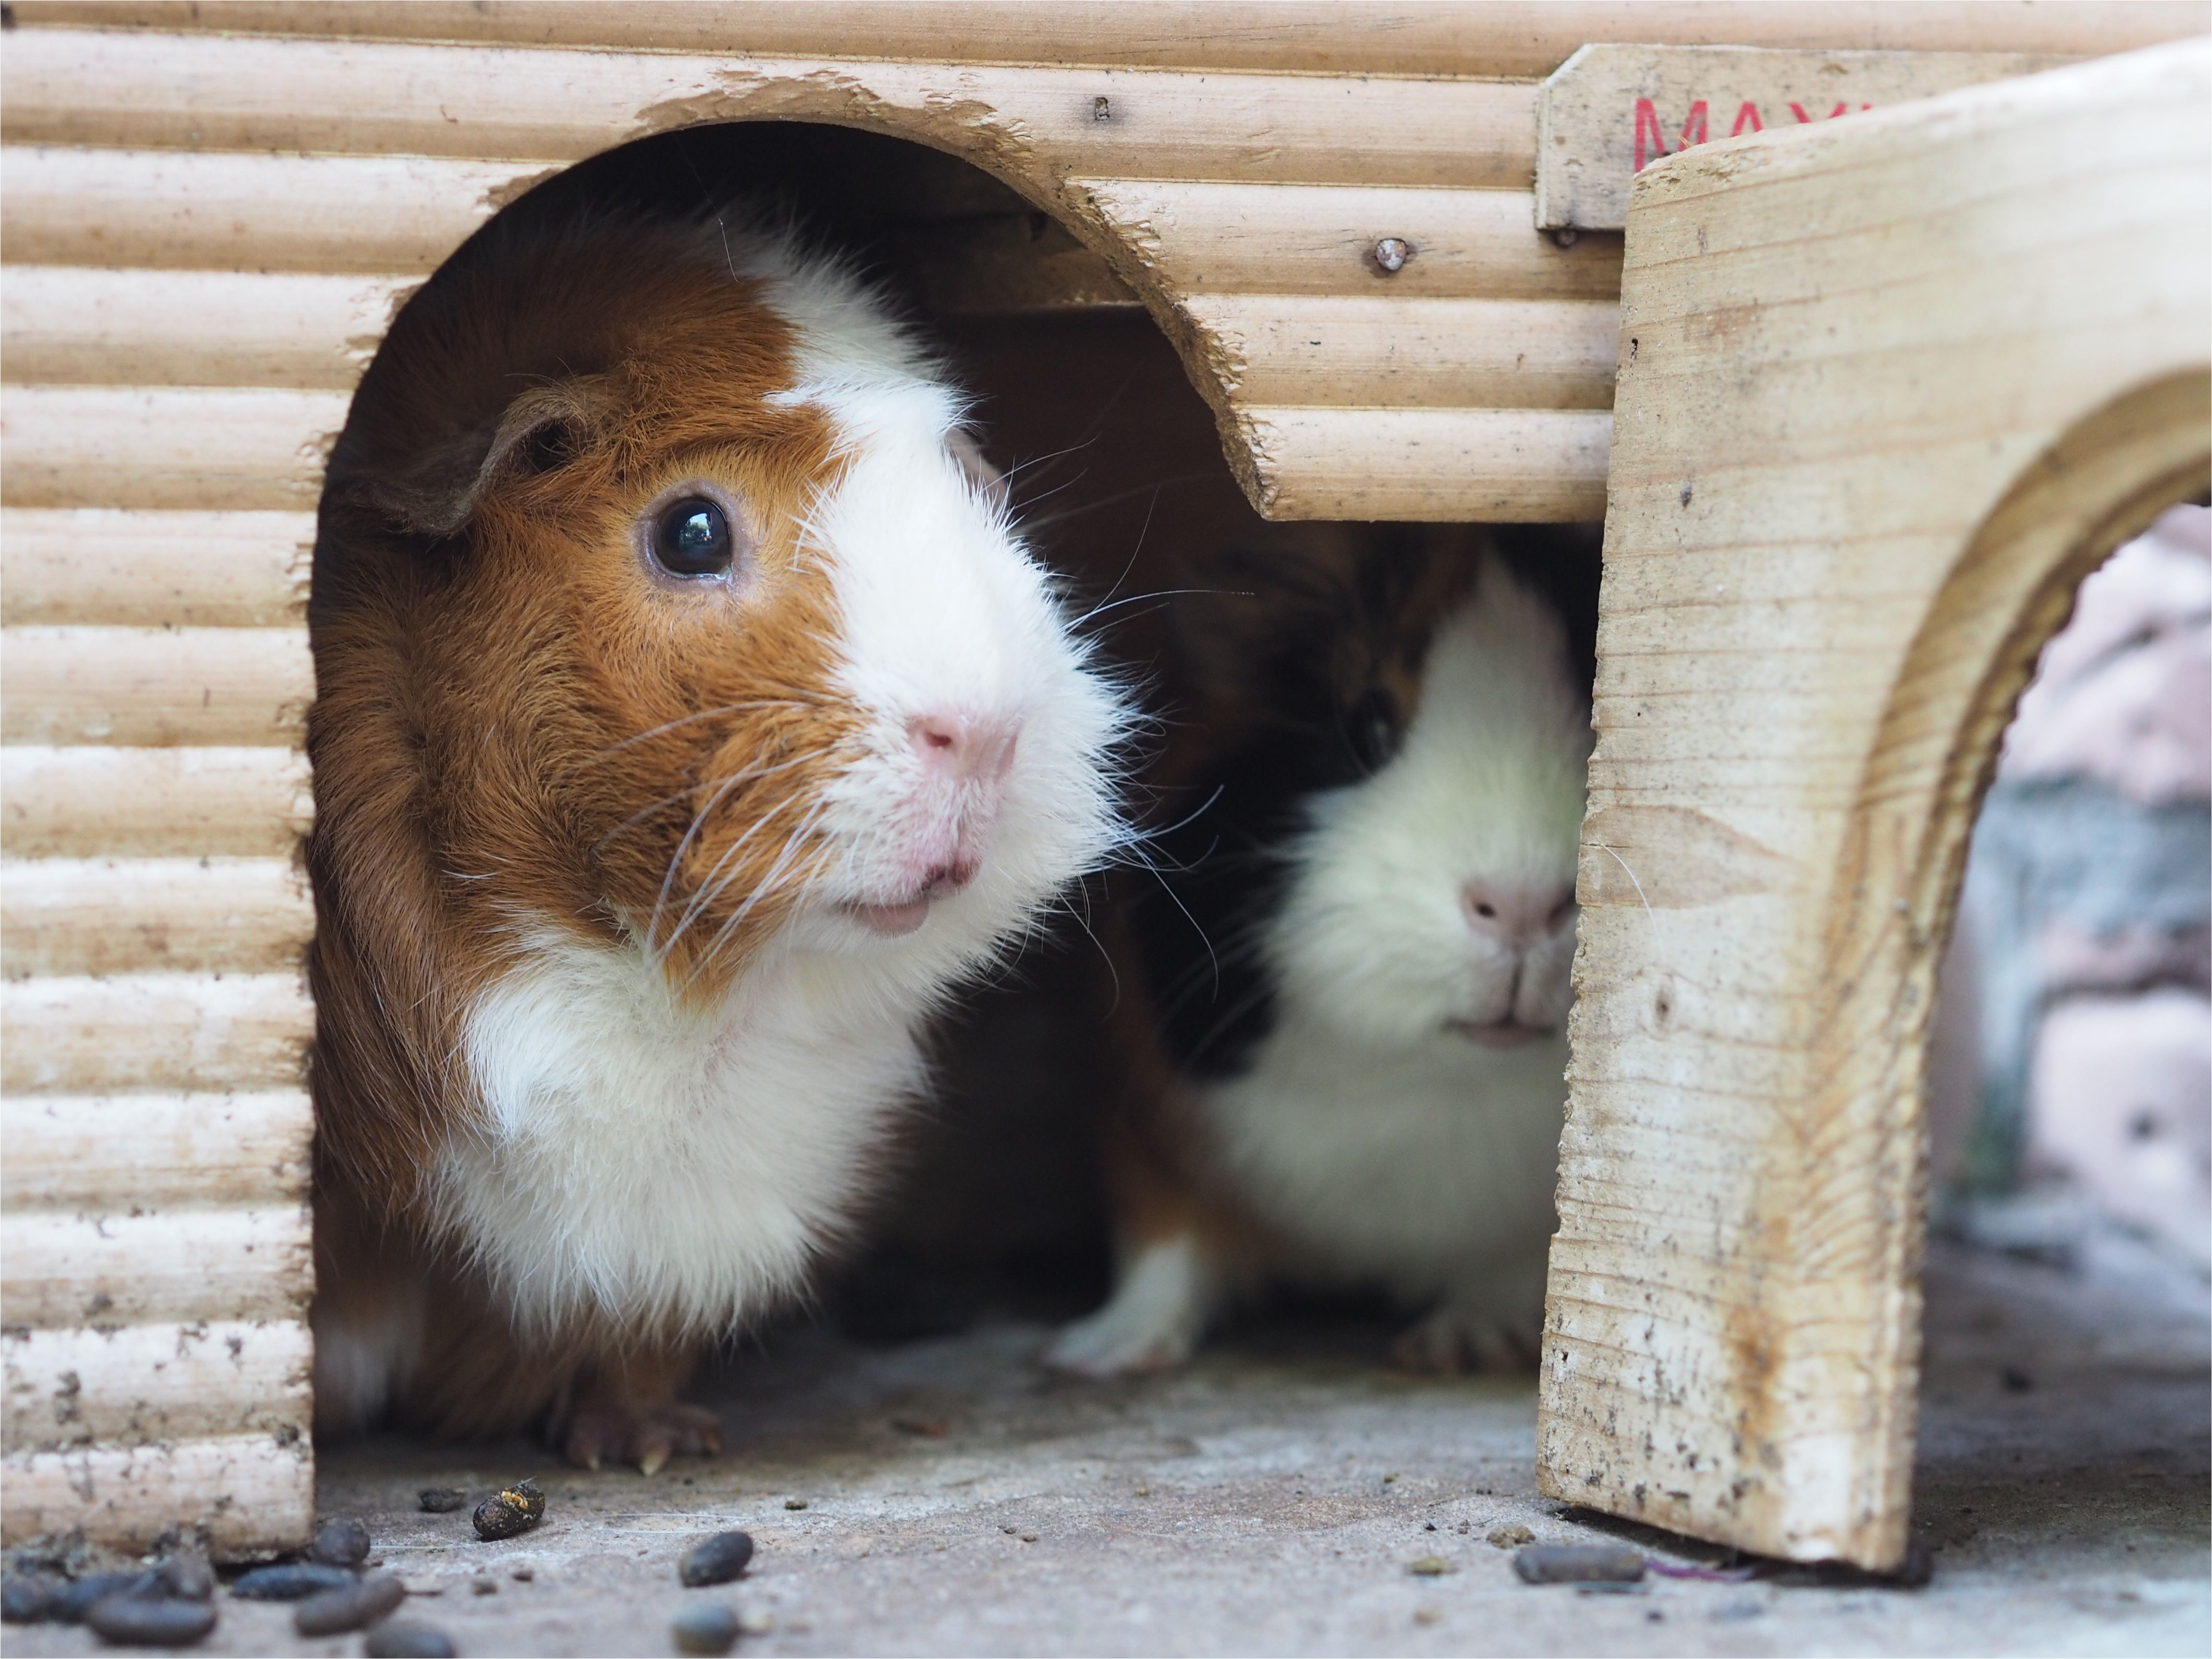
{"x":1610,"y":110}
{"x":1855,"y":479}
{"x":1523,"y":39}
{"x":210,"y":915}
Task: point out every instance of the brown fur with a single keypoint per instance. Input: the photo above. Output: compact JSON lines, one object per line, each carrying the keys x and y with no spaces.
{"x":513,"y":720}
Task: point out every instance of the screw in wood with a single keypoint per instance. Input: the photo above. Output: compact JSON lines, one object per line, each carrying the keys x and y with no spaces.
{"x":1390,"y":255}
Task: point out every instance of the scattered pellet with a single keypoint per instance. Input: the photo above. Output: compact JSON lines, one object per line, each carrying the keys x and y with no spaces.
{"x":149,"y":1621}
{"x":484,"y":1586}
{"x":71,"y":1606}
{"x":188,"y":1577}
{"x":1578,"y":1563}
{"x":715,"y":1560}
{"x":1509,"y":1538}
{"x":510,"y":1512}
{"x":757,"y":1622}
{"x":1428,"y":1526}
{"x":360,"y":1603}
{"x":440,"y":1500}
{"x":293,"y":1581}
{"x":401,"y":1639}
{"x":1389,"y":1480}
{"x":794,"y":1503}
{"x":340,"y":1542}
{"x":523,"y":1575}
{"x":1428,"y":1615}
{"x":28,"y":1598}
{"x":705,"y":1627}
{"x":1428,"y":1566}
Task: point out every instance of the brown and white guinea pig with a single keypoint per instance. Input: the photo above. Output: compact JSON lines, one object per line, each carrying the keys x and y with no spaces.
{"x":691,"y":718}
{"x":1355,"y":969}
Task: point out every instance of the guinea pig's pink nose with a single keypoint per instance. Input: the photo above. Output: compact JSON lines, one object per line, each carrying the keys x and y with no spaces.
{"x":965,"y":746}
{"x":1516,"y":913}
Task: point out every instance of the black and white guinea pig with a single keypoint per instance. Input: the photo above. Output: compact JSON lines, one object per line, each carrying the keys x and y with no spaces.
{"x":1355,"y":964}
{"x":692,"y":719}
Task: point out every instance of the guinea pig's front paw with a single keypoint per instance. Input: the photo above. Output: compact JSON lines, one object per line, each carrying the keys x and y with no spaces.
{"x":1454,"y":1340}
{"x":646,"y":1432}
{"x":1114,"y":1343}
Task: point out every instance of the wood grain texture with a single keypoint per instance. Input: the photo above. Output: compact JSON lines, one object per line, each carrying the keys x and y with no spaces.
{"x":64,"y":1271}
{"x":1387,"y":352}
{"x":166,"y":1382}
{"x":1610,"y":108}
{"x":86,"y":802}
{"x":75,"y":325}
{"x":96,"y":1153}
{"x":1855,"y":480}
{"x":99,"y":916}
{"x":329,"y":215}
{"x":1214,"y":238}
{"x":154,"y":687}
{"x":1513,"y":37}
{"x":172,"y":447}
{"x":252,"y":1494}
{"x":154,"y":1031}
{"x":127,"y":568}
{"x":1525,"y":465}
{"x":188,"y":91}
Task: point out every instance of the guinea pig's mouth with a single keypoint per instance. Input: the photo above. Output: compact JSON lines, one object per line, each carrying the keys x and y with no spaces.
{"x":904,"y":915}
{"x":890,"y":920}
{"x":1499,"y":1034}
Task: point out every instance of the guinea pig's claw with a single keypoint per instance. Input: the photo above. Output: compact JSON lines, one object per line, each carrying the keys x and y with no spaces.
{"x":644,"y":1435}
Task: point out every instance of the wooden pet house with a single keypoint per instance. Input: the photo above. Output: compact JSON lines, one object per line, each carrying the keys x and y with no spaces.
{"x":1860,"y":405}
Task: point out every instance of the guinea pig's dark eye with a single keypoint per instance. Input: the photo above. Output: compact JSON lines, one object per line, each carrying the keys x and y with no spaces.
{"x":691,"y":538}
{"x":1370,"y":726}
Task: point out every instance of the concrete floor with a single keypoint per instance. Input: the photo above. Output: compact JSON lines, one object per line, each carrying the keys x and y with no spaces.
{"x":1271,"y":1500}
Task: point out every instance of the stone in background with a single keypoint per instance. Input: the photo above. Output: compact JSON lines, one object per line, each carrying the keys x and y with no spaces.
{"x":2075,"y":1042}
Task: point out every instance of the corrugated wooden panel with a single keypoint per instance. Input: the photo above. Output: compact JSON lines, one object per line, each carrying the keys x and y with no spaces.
{"x":153,"y":1383}
{"x":1441,"y":465}
{"x":74,"y":325}
{"x":152,"y":1030}
{"x":153,"y":803}
{"x":1273,"y":349}
{"x":183,"y":446}
{"x":92,"y":1153}
{"x":211,"y":915}
{"x":1526,"y":38}
{"x":130,"y":568}
{"x":159,"y":209}
{"x":250,"y":1493}
{"x":1205,"y":237}
{"x":155,"y":1267}
{"x":153,"y":686}
{"x":194,"y":92}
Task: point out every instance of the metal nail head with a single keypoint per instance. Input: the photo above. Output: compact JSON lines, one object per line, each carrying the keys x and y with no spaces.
{"x":1390,"y":255}
{"x":1101,"y":109}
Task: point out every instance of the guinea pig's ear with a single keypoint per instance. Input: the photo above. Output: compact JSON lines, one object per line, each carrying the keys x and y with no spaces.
{"x":540,"y":431}
{"x":989,"y":482}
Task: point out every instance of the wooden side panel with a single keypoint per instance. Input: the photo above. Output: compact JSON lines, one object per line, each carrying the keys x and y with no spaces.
{"x":160,"y":472}
{"x":1519,"y":39}
{"x":1853,"y":484}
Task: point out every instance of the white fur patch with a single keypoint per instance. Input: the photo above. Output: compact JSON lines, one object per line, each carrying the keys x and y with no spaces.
{"x":665,"y":1166}
{"x":661,"y":1165}
{"x":1368,"y":1128}
{"x":1162,"y":1297}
